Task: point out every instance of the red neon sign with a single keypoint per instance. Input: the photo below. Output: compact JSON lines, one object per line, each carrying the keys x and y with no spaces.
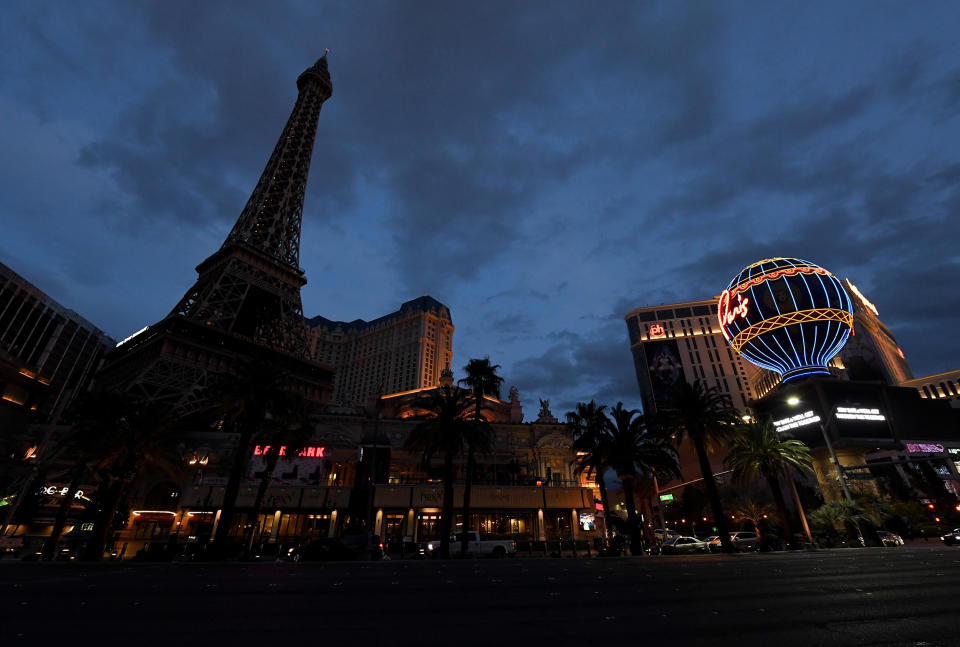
{"x":726,"y":314}
{"x":306,"y":452}
{"x":773,"y":276}
{"x":656,"y":330}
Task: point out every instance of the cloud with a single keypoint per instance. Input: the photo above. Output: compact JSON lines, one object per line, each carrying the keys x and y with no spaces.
{"x":541,"y":171}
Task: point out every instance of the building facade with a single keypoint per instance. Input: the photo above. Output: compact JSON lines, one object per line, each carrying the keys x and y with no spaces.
{"x":683,"y":342}
{"x":402,"y":351}
{"x":884,"y":437}
{"x":939,"y":386}
{"x":47,"y":352}
{"x":872,"y":352}
{"x":523,"y":489}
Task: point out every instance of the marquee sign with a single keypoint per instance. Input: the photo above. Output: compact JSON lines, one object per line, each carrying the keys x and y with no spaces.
{"x":62,"y":490}
{"x":787,"y":315}
{"x":855,"y":413}
{"x":799,"y":420}
{"x":306,"y":452}
{"x":924,"y":448}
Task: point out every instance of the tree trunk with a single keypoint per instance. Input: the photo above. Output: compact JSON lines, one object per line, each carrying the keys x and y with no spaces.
{"x":605,"y":501}
{"x":446,"y":518}
{"x":103,"y":525}
{"x":774,"y":481}
{"x":467,"y":485}
{"x":50,"y":547}
{"x":707,"y":472}
{"x":253,"y":517}
{"x":633,"y":529}
{"x":869,"y":532}
{"x":218,"y":546}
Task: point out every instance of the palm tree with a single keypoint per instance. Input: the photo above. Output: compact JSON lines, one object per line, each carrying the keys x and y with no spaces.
{"x":245,"y":401}
{"x":140,"y":436}
{"x":89,"y":444}
{"x":850,"y":515}
{"x":754,"y":512}
{"x":634,"y":451}
{"x":287,"y":426}
{"x":758,"y":450}
{"x":483,"y":380}
{"x":444,"y":430}
{"x":586,"y":427}
{"x":706,"y":416}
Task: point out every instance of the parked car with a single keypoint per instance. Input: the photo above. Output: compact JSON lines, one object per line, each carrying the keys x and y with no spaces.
{"x":356,"y":547}
{"x":742,"y":540}
{"x":365,"y":542}
{"x":684,"y":545}
{"x":477,"y":546}
{"x":889,"y":538}
{"x":952,"y":537}
{"x":662,"y":536}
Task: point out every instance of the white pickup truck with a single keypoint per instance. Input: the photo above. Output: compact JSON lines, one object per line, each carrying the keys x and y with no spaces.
{"x":476,"y":546}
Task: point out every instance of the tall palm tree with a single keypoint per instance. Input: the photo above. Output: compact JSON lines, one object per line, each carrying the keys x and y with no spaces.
{"x":483,"y":380}
{"x":244,"y":402}
{"x":706,"y":416}
{"x":286,"y":427}
{"x":89,"y":445}
{"x":586,"y":427}
{"x":443,"y":431}
{"x":143,"y":437}
{"x":636,"y":451}
{"x":758,"y":450}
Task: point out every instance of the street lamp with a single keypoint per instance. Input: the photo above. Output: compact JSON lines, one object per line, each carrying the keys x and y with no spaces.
{"x":794,"y":401}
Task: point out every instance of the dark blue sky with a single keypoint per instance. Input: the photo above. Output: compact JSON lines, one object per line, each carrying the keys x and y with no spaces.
{"x":541,"y":168}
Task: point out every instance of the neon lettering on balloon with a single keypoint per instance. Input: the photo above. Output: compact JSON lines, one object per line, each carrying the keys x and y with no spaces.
{"x":728,"y":315}
{"x":305,"y":452}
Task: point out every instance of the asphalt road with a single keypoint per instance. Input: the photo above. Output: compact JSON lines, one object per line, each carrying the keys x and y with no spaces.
{"x":889,"y":596}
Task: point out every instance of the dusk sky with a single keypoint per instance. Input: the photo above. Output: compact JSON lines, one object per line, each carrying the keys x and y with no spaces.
{"x":542,"y":168}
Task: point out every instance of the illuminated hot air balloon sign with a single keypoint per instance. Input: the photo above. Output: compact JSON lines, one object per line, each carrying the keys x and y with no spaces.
{"x":787,"y":315}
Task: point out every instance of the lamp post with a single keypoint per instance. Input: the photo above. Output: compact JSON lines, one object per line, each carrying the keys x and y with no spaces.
{"x":794,"y":401}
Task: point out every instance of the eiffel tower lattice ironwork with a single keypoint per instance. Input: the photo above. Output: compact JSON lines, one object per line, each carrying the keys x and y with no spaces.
{"x":251,"y":286}
{"x":246,"y":300}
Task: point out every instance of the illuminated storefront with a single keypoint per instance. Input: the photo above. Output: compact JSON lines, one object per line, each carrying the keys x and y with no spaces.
{"x":524,"y":489}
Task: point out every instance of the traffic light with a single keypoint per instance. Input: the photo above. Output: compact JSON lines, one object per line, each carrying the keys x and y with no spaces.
{"x":931,"y":506}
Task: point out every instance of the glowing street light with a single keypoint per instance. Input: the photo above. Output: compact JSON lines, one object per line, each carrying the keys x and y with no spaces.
{"x":794,"y":401}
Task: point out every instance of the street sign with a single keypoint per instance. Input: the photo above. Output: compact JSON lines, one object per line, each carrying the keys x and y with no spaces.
{"x":666,"y":497}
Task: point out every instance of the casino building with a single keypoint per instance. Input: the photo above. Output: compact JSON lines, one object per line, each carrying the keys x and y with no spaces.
{"x":47,"y":352}
{"x":792,"y":317}
{"x":401,"y":351}
{"x":849,"y":390}
{"x":524,"y":489}
{"x":683,"y":342}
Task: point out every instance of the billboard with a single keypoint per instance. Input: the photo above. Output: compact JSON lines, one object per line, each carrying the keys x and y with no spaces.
{"x":665,"y":368}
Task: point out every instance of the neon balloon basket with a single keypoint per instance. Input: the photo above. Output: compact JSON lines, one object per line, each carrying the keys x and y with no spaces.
{"x":787,"y":315}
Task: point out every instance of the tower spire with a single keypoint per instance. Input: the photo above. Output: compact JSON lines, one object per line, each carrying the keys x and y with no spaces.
{"x":245,"y":302}
{"x":251,"y":286}
{"x":271,"y":220}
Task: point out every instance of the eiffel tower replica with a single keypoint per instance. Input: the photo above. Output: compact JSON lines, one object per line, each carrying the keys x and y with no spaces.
{"x":246,"y":302}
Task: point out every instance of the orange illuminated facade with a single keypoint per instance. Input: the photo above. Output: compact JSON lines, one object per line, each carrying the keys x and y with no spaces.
{"x":402,"y":351}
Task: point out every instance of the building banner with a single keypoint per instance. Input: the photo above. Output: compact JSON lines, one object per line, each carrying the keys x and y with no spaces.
{"x":666,"y":369}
